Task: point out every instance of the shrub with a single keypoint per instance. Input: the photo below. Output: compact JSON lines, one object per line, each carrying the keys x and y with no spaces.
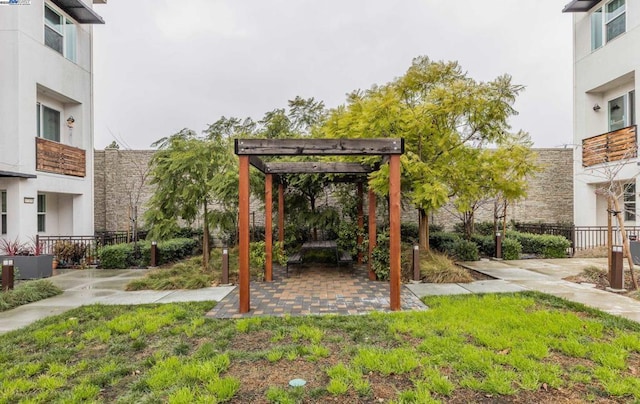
{"x":511,"y":249}
{"x":443,"y":241}
{"x":439,"y":268}
{"x":544,"y":245}
{"x":120,"y":256}
{"x":116,"y":256}
{"x":465,"y":250}
{"x":486,"y":244}
{"x":436,"y":228}
{"x":409,"y":232}
{"x":484,"y":228}
{"x":28,"y":292}
{"x":348,"y":237}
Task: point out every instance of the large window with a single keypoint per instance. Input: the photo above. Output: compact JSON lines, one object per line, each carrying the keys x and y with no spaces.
{"x":630,"y":202}
{"x":608,"y":22}
{"x":42,"y":213}
{"x":3,"y":211}
{"x":60,"y":33}
{"x":48,"y":121}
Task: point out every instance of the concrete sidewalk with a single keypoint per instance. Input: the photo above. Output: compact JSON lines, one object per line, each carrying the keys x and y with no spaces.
{"x":103,"y":286}
{"x":542,"y":275}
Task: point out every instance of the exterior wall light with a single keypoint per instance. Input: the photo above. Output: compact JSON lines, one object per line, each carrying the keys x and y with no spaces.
{"x":596,"y":107}
{"x":70,"y":121}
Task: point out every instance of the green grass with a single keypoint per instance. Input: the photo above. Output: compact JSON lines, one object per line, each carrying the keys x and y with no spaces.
{"x":521,"y":347}
{"x":28,"y":292}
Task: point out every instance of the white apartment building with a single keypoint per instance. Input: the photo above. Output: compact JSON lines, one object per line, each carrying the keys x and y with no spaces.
{"x":46,"y":117}
{"x":606,"y":58}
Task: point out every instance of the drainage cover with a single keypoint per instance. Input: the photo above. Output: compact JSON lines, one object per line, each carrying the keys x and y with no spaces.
{"x":297,"y":382}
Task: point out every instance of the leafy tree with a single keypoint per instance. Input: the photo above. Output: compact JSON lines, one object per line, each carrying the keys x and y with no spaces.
{"x":188,"y":172}
{"x":442,"y":114}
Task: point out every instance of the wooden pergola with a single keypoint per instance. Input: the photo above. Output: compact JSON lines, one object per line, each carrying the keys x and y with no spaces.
{"x":249,"y":152}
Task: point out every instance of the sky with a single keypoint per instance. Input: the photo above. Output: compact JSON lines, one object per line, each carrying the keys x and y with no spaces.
{"x":164,"y":65}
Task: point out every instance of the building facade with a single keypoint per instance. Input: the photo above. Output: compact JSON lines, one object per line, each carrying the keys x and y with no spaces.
{"x":606,"y":40}
{"x":46,"y":116}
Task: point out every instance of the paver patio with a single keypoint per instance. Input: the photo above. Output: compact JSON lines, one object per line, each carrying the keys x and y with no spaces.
{"x":316,"y":289}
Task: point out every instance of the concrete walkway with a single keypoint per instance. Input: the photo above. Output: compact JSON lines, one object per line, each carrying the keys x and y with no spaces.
{"x":543,"y":275}
{"x":103,"y":286}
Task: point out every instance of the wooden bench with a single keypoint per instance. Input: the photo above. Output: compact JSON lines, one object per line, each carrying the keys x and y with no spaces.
{"x":295,"y":258}
{"x":344,"y":257}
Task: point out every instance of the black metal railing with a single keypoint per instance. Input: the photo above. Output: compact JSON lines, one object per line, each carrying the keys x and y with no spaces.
{"x":78,"y":250}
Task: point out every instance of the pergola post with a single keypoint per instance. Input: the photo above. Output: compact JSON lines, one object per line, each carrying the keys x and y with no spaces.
{"x":372,"y":232}
{"x":268,"y":231}
{"x":360,"y":221}
{"x":281,"y":212}
{"x":243,"y":224}
{"x":394,"y":231}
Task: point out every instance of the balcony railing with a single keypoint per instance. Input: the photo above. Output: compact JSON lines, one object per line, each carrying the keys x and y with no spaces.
{"x":58,"y":158}
{"x":617,"y":145}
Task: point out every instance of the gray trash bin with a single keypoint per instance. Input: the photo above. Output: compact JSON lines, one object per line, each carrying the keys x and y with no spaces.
{"x":634,"y":247}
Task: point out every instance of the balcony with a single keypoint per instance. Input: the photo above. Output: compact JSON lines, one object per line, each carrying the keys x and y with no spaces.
{"x":58,"y":158}
{"x":621,"y":144}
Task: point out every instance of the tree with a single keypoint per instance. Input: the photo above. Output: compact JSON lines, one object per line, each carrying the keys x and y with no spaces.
{"x":490,"y":176}
{"x":442,"y":114}
{"x":187,"y":171}
{"x":606,"y":164}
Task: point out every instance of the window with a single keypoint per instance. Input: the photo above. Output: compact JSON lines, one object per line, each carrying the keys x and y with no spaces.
{"x":60,"y":33}
{"x":630,"y":202}
{"x":42,"y":212}
{"x":611,"y":26}
{"x":3,"y":212}
{"x":622,"y":111}
{"x":617,"y":109}
{"x":48,"y":121}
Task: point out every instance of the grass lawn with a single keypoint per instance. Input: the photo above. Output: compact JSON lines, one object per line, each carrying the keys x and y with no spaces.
{"x":509,"y":348}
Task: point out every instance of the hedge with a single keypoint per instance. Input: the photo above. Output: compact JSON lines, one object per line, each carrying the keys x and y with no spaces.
{"x":511,"y":249}
{"x":544,"y":245}
{"x":120,"y":256}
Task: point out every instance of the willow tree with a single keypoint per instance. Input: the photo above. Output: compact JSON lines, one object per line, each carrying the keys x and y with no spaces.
{"x":186,"y":172}
{"x":441,"y":113}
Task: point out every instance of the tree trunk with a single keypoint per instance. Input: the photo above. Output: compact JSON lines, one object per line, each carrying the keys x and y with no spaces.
{"x":423,"y":229}
{"x":625,"y":242}
{"x":468,"y":224}
{"x":205,"y":238}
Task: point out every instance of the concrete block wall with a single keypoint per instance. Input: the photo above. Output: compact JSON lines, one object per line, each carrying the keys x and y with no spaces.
{"x":121,"y":177}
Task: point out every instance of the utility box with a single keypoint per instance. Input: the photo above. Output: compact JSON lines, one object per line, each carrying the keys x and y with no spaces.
{"x":634,"y":249}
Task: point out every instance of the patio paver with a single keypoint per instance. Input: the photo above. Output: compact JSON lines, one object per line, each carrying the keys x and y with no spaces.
{"x":316,"y":290}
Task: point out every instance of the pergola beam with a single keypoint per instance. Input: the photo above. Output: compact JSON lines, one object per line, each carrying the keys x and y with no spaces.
{"x":318,"y":147}
{"x":316,"y":168}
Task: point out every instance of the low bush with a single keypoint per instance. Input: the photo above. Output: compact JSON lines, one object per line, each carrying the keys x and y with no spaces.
{"x":443,"y":241}
{"x":439,"y":268}
{"x":120,"y":256}
{"x":486,"y":244}
{"x":409,"y":232}
{"x":28,"y":292}
{"x":465,"y":250}
{"x":511,"y":249}
{"x":543,"y":245}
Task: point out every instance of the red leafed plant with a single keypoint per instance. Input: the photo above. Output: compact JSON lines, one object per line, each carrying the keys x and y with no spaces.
{"x":11,"y":247}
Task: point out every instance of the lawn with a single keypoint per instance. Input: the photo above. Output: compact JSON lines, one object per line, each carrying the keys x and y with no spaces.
{"x":510,"y":348}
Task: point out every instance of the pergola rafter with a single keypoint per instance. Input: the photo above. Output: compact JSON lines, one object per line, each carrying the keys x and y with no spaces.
{"x":249,"y":152}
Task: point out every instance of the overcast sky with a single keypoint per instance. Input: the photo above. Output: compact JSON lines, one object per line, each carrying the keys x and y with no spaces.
{"x":163,"y":65}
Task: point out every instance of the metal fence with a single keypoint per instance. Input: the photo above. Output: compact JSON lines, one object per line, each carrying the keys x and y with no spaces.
{"x":581,"y":237}
{"x":77,"y":250}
